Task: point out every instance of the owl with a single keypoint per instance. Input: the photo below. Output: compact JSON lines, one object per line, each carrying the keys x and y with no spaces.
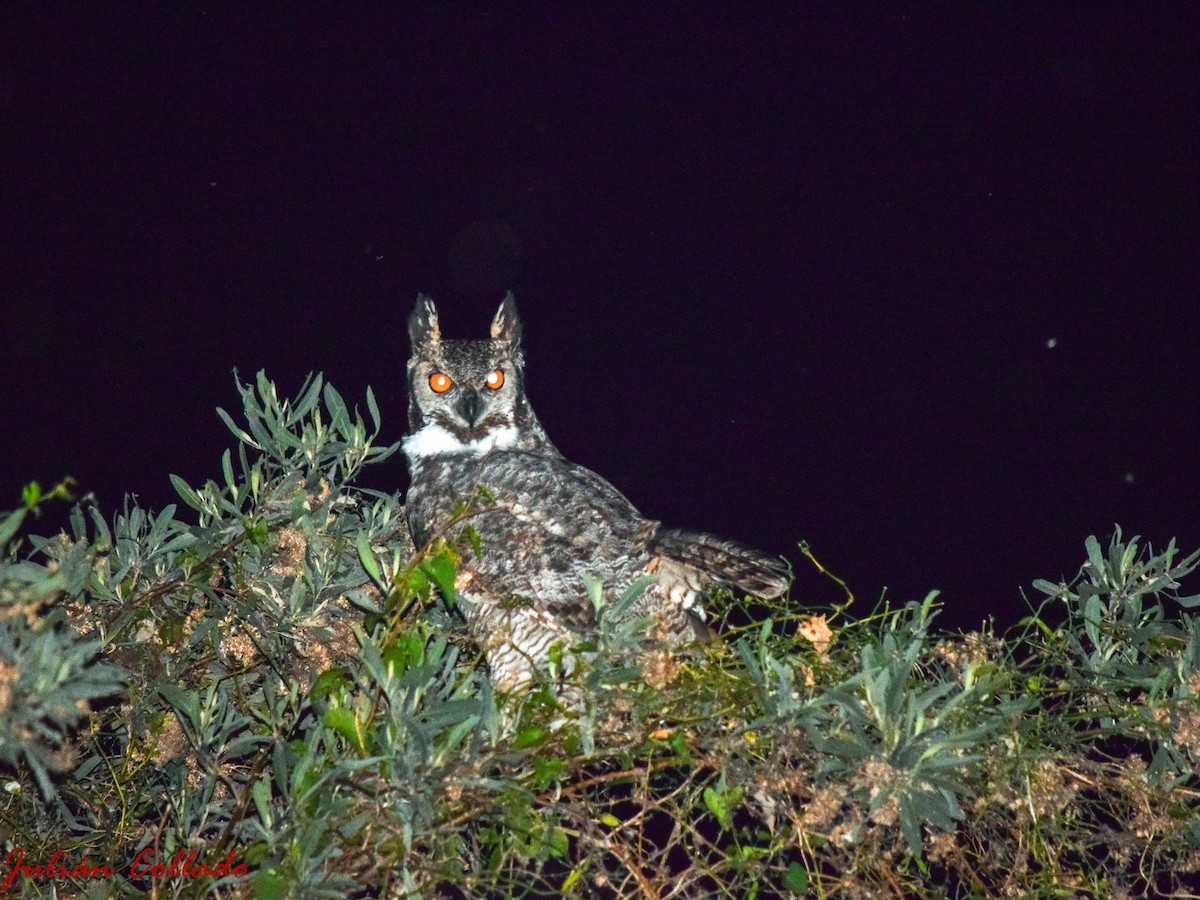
{"x":551,"y":527}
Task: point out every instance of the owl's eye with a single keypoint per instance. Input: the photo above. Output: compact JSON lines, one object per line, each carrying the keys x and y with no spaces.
{"x":495,"y":379}
{"x":439,"y":382}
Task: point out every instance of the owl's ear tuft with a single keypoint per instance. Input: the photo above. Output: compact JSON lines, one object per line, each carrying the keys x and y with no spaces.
{"x":506,"y":326}
{"x":423,"y":323}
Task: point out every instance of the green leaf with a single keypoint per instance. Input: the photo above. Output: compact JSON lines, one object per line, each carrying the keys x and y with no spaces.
{"x":472,"y":537}
{"x":795,"y":878}
{"x":339,"y":415}
{"x":530,"y":737}
{"x":161,"y":525}
{"x":571,"y":880}
{"x":369,"y":563}
{"x":1189,"y":602}
{"x":636,"y":588}
{"x":332,"y":681}
{"x":910,"y":826}
{"x":185,"y":702}
{"x":373,"y":409}
{"x":546,"y":771}
{"x":716,"y":805}
{"x":680,"y":745}
{"x":309,"y":392}
{"x":260,"y":793}
{"x":932,"y":808}
{"x":31,"y":494}
{"x":1048,"y":588}
{"x":620,"y":675}
{"x":1092,"y":613}
{"x":461,"y":730}
{"x":227,"y":471}
{"x":257,"y":531}
{"x":1127,"y":558}
{"x":556,"y":842}
{"x":269,"y":885}
{"x":238,"y":432}
{"x":10,"y":525}
{"x":416,"y":582}
{"x":407,"y":651}
{"x":440,"y":570}
{"x":1095,"y":555}
{"x":595,"y":590}
{"x":190,"y":497}
{"x":343,"y":722}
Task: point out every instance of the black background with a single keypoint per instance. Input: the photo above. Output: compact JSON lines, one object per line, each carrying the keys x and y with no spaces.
{"x":916,"y":285}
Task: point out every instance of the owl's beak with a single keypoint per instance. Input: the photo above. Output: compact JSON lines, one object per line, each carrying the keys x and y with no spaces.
{"x":470,"y":406}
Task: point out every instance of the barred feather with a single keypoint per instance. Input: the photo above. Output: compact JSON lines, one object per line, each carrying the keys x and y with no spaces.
{"x":724,"y":560}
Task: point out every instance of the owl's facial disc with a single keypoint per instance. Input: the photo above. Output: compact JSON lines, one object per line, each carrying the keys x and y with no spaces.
{"x":465,"y":403}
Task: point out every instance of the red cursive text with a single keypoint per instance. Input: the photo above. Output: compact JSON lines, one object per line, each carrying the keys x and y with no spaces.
{"x":58,"y":867}
{"x":183,"y":864}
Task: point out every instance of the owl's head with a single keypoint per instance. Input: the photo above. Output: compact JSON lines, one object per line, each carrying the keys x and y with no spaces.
{"x":467,"y":396}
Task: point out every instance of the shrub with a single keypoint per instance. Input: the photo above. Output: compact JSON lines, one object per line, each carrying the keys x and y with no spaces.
{"x":280,"y":676}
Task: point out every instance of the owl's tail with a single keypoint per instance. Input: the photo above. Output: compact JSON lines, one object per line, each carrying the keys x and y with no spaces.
{"x":726,"y":561}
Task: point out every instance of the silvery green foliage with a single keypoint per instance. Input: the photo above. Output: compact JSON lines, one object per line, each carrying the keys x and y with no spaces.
{"x":236,"y":633}
{"x":49,"y":673}
{"x":272,"y":669}
{"x":1119,"y":632}
{"x":913,"y":740}
{"x":905,"y":740}
{"x":1133,"y":656}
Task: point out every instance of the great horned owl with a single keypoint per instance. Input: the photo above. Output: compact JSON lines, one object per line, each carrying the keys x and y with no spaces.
{"x":552,"y":522}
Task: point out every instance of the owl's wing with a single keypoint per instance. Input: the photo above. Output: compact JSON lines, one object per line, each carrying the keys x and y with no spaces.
{"x":554,"y":522}
{"x":723,"y":560}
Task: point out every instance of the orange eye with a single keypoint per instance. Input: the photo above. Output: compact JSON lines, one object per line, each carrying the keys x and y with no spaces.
{"x":439,"y":382}
{"x":495,"y":379}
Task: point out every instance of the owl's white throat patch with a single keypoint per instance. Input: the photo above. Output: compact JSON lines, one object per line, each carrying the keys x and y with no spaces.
{"x":434,"y":440}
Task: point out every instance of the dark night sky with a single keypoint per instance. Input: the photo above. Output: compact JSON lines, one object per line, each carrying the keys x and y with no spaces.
{"x":785,"y":273}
